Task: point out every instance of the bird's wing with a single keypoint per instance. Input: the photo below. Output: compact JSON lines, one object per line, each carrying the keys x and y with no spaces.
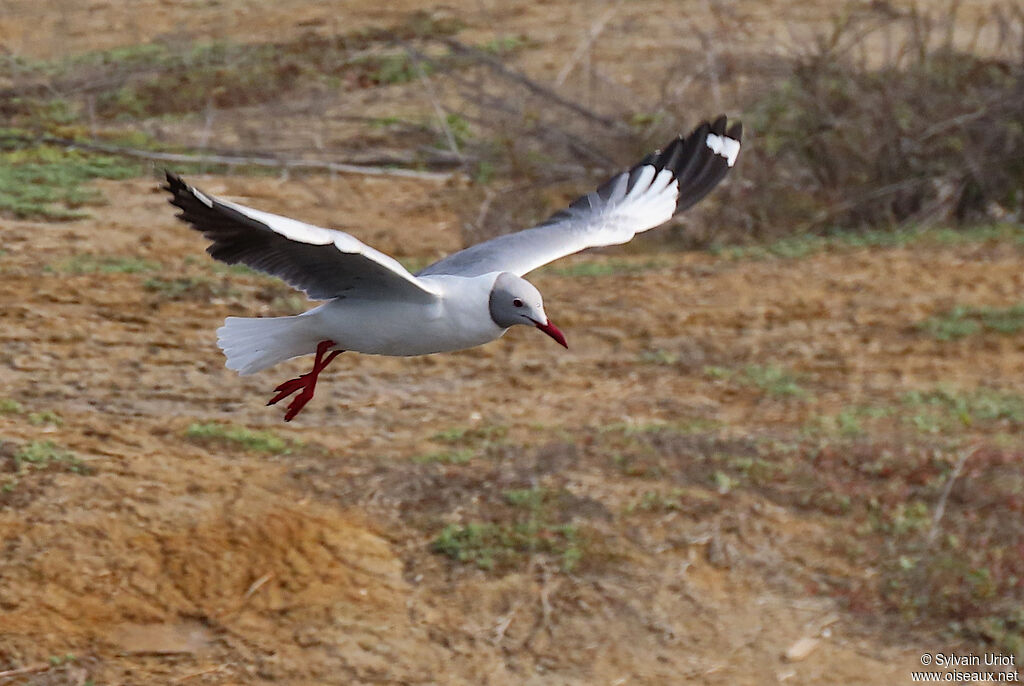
{"x":661,"y":185}
{"x":322,"y":262}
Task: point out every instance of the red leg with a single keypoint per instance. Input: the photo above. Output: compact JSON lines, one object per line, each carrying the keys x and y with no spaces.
{"x":305,"y":383}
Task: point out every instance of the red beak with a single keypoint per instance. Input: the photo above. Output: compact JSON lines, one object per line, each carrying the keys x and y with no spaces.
{"x":552,"y":330}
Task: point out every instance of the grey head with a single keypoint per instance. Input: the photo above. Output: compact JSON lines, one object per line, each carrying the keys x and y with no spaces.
{"x":514,"y":300}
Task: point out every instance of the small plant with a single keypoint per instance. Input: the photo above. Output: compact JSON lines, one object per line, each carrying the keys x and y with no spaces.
{"x":963,"y":321}
{"x":40,"y":455}
{"x":491,"y":546}
{"x":9,"y":406}
{"x":453,"y":457}
{"x":659,"y":357}
{"x":105,"y":264}
{"x":655,"y":501}
{"x":771,"y":379}
{"x":505,"y":44}
{"x":45,"y":417}
{"x":185,"y":288}
{"x":532,"y":524}
{"x":529,"y":498}
{"x":48,"y":183}
{"x":239,"y":436}
{"x":807,"y":244}
{"x":485,"y":435}
{"x":946,"y":409}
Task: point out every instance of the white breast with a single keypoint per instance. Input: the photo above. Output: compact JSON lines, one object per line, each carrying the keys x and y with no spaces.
{"x":459,"y":319}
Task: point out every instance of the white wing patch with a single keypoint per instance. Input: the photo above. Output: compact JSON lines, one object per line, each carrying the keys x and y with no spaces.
{"x":650,"y":203}
{"x":202,"y":197}
{"x":725,"y":147}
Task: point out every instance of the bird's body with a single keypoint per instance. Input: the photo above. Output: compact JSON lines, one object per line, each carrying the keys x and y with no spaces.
{"x":375,"y":306}
{"x":457,"y":318}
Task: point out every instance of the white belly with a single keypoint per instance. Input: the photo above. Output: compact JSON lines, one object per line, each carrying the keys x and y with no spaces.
{"x":408,"y":328}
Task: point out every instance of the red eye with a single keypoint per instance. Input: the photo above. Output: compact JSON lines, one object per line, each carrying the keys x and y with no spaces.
{"x":517,"y":303}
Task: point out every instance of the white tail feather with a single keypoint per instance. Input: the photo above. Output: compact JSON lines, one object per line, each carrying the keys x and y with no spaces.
{"x":252,"y":345}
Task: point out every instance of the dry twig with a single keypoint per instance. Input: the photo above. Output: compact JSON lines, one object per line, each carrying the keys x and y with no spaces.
{"x":232,"y":160}
{"x":940,"y":507}
{"x":21,"y":671}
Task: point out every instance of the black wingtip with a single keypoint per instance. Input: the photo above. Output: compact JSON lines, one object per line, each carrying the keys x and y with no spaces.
{"x":174,"y":183}
{"x":702,"y":159}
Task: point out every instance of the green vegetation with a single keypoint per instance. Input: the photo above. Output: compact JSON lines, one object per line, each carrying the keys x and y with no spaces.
{"x":486,"y":434}
{"x":880,"y":487}
{"x":806,"y":244}
{"x":848,"y":423}
{"x":240,"y":437}
{"x":937,"y":411}
{"x":186,"y":288}
{"x":48,"y":183}
{"x":496,"y":546}
{"x":476,"y":441}
{"x":46,"y":417}
{"x":58,"y":660}
{"x":157,"y":79}
{"x":945,"y":409}
{"x":657,"y":501}
{"x":44,"y":455}
{"x":530,"y":527}
{"x":659,"y":357}
{"x":962,"y":321}
{"x":770,"y":379}
{"x":450,"y":457}
{"x":829,"y":130}
{"x":104,"y":264}
{"x":9,"y":406}
{"x":505,"y":44}
{"x":682,"y":428}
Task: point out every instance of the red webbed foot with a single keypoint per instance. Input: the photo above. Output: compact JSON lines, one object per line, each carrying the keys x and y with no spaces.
{"x":305,"y":383}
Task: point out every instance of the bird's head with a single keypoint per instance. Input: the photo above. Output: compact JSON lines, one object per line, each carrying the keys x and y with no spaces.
{"x":514,"y":300}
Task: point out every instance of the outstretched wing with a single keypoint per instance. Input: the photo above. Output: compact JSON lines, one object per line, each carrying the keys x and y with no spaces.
{"x":663,"y":184}
{"x":322,"y":262}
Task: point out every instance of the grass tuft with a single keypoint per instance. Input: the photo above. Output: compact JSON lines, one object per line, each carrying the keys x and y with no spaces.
{"x":104,"y":264}
{"x":962,"y":321}
{"x":48,"y":183}
{"x":239,"y":436}
{"x":46,"y":417}
{"x":771,"y":379}
{"x":532,"y":523}
{"x":450,"y":457}
{"x":43,"y":455}
{"x":492,"y":546}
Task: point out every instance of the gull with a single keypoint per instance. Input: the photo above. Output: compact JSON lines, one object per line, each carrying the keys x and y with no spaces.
{"x":376,"y":306}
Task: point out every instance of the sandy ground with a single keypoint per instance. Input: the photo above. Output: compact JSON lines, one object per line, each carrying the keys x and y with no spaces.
{"x":311,"y":567}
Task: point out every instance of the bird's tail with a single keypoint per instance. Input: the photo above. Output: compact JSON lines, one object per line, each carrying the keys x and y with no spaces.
{"x":255,"y":344}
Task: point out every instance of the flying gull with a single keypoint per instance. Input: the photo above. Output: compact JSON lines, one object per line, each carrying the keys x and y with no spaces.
{"x":375,"y":306}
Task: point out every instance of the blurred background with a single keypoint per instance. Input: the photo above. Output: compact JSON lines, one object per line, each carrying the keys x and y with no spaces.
{"x":784,"y":446}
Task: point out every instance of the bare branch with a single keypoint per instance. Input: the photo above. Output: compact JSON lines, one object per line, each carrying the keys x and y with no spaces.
{"x":940,"y":507}
{"x":255,"y":161}
{"x":498,"y":68}
{"x":596,"y":29}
